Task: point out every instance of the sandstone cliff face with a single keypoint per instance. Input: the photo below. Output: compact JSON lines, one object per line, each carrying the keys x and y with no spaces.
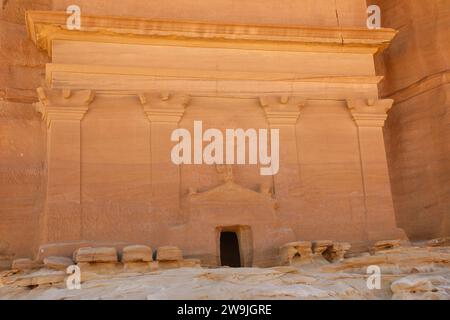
{"x":22,"y":133}
{"x":416,"y":68}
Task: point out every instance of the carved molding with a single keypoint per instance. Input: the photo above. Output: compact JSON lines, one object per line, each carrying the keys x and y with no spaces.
{"x":46,"y":26}
{"x":63,"y":104}
{"x":210,"y":83}
{"x":165,"y":107}
{"x":282,"y":110}
{"x":369,"y":112}
{"x":207,"y":75}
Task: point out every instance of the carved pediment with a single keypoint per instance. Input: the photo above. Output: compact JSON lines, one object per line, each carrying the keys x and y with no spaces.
{"x":230,"y":192}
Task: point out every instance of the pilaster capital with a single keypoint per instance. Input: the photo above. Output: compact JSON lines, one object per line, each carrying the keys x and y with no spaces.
{"x":282,"y":110}
{"x":369,"y":112}
{"x":55,"y":104}
{"x":164,"y":107}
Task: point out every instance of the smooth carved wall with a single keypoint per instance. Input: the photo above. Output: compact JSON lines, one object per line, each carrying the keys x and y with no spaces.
{"x":327,"y":201}
{"x":115,"y":171}
{"x":222,"y":113}
{"x":331,"y":193}
{"x":117,"y":190}
{"x":417,"y":71}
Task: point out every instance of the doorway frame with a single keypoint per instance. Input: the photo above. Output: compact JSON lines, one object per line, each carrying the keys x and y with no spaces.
{"x":245,"y":242}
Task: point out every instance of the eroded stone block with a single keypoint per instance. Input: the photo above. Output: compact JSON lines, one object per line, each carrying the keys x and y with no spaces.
{"x":169,"y":253}
{"x":58,"y":263}
{"x":296,"y":253}
{"x":319,"y":246}
{"x":137,"y":253}
{"x":337,"y":251}
{"x":89,"y":254}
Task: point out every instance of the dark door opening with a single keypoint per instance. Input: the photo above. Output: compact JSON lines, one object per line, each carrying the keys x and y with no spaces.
{"x":229,"y":250}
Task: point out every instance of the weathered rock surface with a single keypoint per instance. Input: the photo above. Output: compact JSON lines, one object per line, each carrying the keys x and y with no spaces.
{"x":319,"y":246}
{"x":421,"y":288}
{"x":386,"y":245}
{"x":337,"y":251}
{"x":408,"y":273}
{"x":306,"y":252}
{"x":22,"y":148}
{"x":36,"y":278}
{"x":416,"y":69}
{"x":25,"y":264}
{"x":440,"y":242}
{"x":296,"y":253}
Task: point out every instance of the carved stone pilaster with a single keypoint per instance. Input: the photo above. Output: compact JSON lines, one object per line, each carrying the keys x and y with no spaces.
{"x":63,"y":110}
{"x":370,"y":116}
{"x":282,"y":113}
{"x":63,"y":104}
{"x":370,"y":112}
{"x":164,"y":112}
